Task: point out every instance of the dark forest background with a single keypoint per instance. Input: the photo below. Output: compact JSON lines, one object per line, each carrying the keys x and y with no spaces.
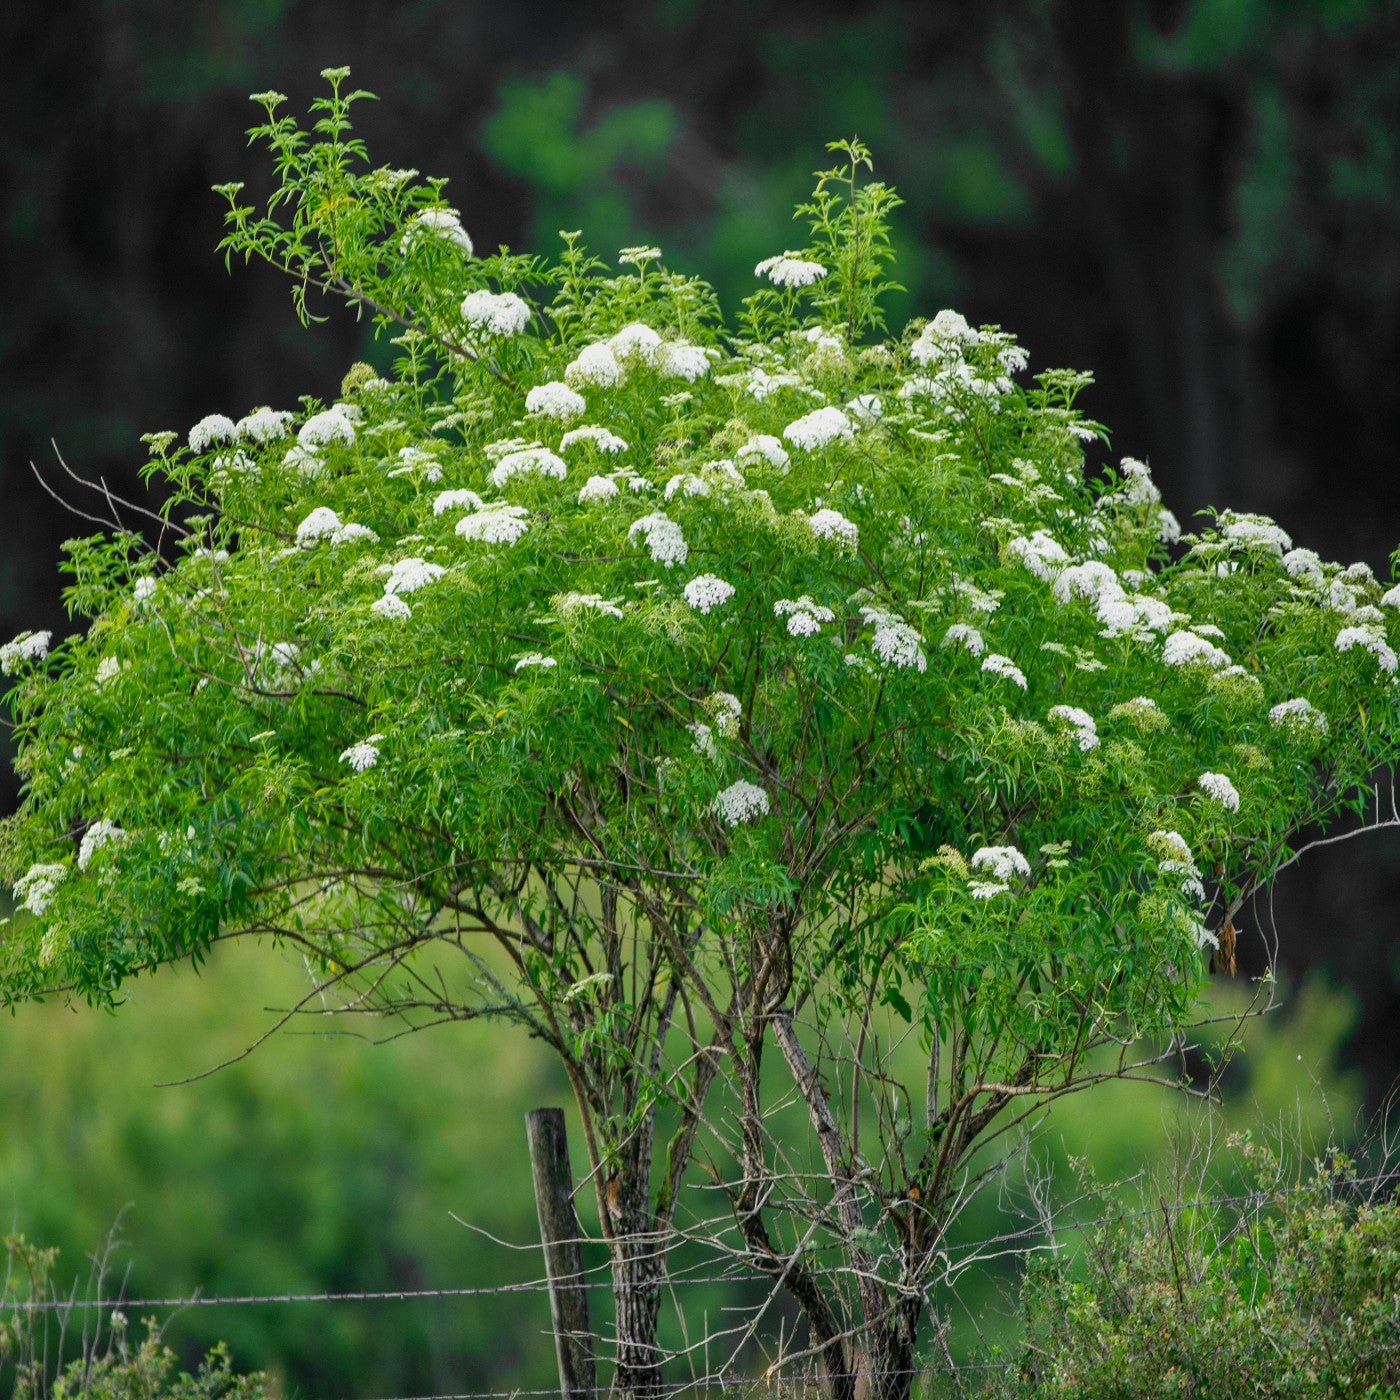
{"x":1198,"y":200}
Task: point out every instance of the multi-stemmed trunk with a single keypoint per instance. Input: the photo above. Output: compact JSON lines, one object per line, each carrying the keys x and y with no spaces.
{"x":637,"y":1267}
{"x":881,"y":1351}
{"x":637,"y":1247}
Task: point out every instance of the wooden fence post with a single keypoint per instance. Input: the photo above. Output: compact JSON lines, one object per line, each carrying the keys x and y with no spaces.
{"x":563,"y":1260}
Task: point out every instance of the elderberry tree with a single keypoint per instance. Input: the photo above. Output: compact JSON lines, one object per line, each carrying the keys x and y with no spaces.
{"x":728,"y":707}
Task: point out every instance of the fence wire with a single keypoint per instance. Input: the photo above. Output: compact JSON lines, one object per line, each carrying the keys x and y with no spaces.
{"x":738,"y":1275}
{"x":694,"y":1386}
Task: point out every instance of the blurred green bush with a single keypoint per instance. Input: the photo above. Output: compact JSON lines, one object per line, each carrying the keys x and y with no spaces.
{"x":318,"y":1163}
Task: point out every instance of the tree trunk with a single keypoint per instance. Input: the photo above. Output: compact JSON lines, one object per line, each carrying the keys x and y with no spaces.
{"x":637,"y":1250}
{"x":892,"y":1356}
{"x":637,"y":1267}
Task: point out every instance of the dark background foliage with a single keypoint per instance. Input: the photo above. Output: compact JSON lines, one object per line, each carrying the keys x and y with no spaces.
{"x":1199,"y":200}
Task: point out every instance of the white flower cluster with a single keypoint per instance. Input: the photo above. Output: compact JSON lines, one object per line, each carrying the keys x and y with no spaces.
{"x":390,"y":605}
{"x":740,"y":802}
{"x":707,"y":591}
{"x":1255,"y":532}
{"x":1370,"y":638}
{"x":28,"y":646}
{"x":760,"y":383}
{"x":502,"y":447}
{"x":1138,"y":488}
{"x":687,"y":483}
{"x":1171,"y":845}
{"x":1005,"y":667}
{"x":1122,"y":614}
{"x":1041,"y":554}
{"x":324,"y":524}
{"x":594,"y":365}
{"x":1304,"y":564}
{"x":724,"y":708}
{"x":263,"y":425}
{"x":409,"y":575}
{"x":303,"y":460}
{"x":36,"y":888}
{"x":1080,"y":721}
{"x":898,"y":644}
{"x":1238,"y":682}
{"x":703,"y":741}
{"x":1299,"y":715}
{"x":817,"y":428}
{"x":866,"y":409}
{"x":597,"y":488}
{"x":227,"y":462}
{"x":1189,"y":648}
{"x":1175,"y":859}
{"x":969,"y":638}
{"x":212,"y":429}
{"x":680,"y":360}
{"x":570,"y":603}
{"x":832,"y":525}
{"x":494,"y":523}
{"x":790,"y":270}
{"x":635,"y":340}
{"x":663,"y":536}
{"x":444,"y":224}
{"x":97,"y":837}
{"x":364,"y":755}
{"x":334,"y":424}
{"x":894,"y":641}
{"x":1090,"y":580}
{"x":987,"y":889}
{"x":602,"y":439}
{"x":804,"y":617}
{"x":954,"y":380}
{"x":455,"y":499}
{"x":639,"y":255}
{"x":1003,"y":863}
{"x":497,"y":314}
{"x":1220,"y":789}
{"x":1137,"y":615}
{"x":1344,"y":596}
{"x":947,"y":332}
{"x":533,"y":461}
{"x":554,"y":400}
{"x":764,"y":447}
{"x":416,"y":461}
{"x":536,"y":659}
{"x":826,"y":344}
{"x":975,"y":598}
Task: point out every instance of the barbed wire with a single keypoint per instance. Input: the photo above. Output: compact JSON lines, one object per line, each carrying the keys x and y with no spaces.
{"x":680,"y":1278}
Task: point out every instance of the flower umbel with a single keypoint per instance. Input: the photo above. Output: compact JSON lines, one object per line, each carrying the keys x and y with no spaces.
{"x":707,"y":591}
{"x":741,"y":802}
{"x":1220,"y":789}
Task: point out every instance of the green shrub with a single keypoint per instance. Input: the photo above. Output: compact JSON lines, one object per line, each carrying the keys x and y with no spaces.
{"x":147,"y":1372}
{"x":40,"y":1359}
{"x":1293,"y":1290}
